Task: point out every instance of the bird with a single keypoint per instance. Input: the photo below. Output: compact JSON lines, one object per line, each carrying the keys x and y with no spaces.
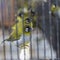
{"x":24,"y":23}
{"x":55,"y":10}
{"x":17,"y":28}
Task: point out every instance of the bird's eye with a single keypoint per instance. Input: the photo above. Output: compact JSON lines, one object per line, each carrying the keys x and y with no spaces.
{"x":27,"y":29}
{"x":28,"y":20}
{"x":32,"y":12}
{"x":20,"y":14}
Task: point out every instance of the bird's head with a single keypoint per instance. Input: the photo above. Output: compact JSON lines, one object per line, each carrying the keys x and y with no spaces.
{"x":53,"y":7}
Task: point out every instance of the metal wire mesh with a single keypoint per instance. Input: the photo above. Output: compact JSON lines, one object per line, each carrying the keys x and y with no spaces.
{"x":46,"y":24}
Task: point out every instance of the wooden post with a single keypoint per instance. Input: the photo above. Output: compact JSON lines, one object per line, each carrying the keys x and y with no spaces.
{"x":6,"y":16}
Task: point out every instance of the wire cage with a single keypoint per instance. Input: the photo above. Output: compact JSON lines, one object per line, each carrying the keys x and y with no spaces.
{"x":42,"y":42}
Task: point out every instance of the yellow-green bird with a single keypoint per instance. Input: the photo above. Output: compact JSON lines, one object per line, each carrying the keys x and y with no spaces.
{"x":22,"y":25}
{"x":55,"y":10}
{"x":25,"y":21}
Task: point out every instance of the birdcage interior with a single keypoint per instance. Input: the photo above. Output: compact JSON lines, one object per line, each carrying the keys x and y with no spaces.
{"x":29,"y":29}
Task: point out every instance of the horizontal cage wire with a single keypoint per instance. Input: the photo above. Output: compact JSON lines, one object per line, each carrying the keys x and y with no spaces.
{"x":29,"y":29}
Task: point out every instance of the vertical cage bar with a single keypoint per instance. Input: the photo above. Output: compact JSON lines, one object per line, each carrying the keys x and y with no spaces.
{"x":57,"y":24}
{"x":17,"y":31}
{"x":3,"y":27}
{"x":50,"y":23}
{"x":37,"y":38}
{"x":37,"y":42}
{"x":9,"y":29}
{"x":31,"y":45}
{"x":23,"y":29}
{"x":43,"y":22}
{"x":29,"y":4}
